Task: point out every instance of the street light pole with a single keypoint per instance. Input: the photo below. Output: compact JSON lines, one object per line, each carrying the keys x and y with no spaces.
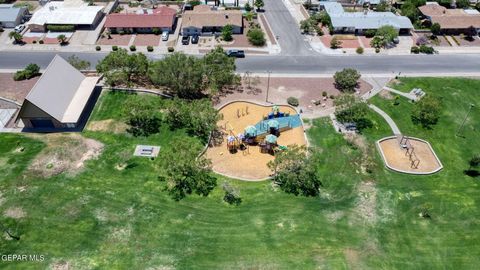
{"x":268,"y":85}
{"x":465,"y":119}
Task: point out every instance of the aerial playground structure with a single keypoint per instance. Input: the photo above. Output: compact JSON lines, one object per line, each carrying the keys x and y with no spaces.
{"x":264,"y":133}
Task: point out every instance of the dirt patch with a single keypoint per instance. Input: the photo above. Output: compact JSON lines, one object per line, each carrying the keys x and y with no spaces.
{"x":108,"y":125}
{"x":385,"y":94}
{"x":15,"y":212}
{"x":64,"y":153}
{"x":366,"y":205}
{"x":61,"y":265}
{"x":352,"y":257}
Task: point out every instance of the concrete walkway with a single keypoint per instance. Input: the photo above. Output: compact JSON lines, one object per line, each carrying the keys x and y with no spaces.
{"x":407,"y":95}
{"x":391,"y":123}
{"x":377,"y":83}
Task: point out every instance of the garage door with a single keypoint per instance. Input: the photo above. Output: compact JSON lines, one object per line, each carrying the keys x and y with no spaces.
{"x":42,"y":123}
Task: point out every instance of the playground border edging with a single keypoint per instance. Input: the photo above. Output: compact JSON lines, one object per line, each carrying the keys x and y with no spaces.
{"x":377,"y":143}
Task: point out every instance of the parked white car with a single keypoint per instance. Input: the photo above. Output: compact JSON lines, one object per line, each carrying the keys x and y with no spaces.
{"x":165,"y":36}
{"x":19,"y":28}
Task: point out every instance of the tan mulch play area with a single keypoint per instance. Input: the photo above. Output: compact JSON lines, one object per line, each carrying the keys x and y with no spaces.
{"x":396,"y":158}
{"x":249,"y":164}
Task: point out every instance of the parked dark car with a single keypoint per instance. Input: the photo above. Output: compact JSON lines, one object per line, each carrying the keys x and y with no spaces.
{"x":185,"y":40}
{"x":236,"y":53}
{"x":195,"y":39}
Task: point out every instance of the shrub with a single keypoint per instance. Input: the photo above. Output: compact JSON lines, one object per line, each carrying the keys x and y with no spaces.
{"x":324,"y":94}
{"x":415,"y":50}
{"x":256,"y":37}
{"x":436,"y":28}
{"x":133,"y":48}
{"x":227,"y":32}
{"x":388,"y":32}
{"x":30,"y":71}
{"x":426,"y":49}
{"x":171,"y":49}
{"x":332,"y":96}
{"x":232,"y":196}
{"x":335,"y":43}
{"x":98,"y":48}
{"x":40,"y":42}
{"x":156,"y":31}
{"x":293,"y":101}
{"x":61,"y":28}
{"x":114,"y":48}
{"x":423,"y":40}
{"x":150,"y":48}
{"x":34,"y":42}
{"x":359,"y":50}
{"x":377,"y":50}
{"x":143,"y":124}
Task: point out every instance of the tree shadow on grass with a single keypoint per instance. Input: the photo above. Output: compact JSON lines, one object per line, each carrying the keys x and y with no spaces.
{"x":472,"y":173}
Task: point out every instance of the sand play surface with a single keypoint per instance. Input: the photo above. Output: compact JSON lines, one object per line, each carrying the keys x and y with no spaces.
{"x":396,"y":158}
{"x":249,"y":164}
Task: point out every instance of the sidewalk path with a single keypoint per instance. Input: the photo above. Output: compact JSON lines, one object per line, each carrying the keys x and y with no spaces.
{"x":407,"y":95}
{"x":378,"y":83}
{"x":391,"y":123}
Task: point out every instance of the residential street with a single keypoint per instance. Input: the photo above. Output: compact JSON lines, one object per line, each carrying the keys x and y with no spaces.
{"x":314,"y":64}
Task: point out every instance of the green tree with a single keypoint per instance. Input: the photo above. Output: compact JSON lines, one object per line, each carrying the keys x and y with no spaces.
{"x":181,"y":74}
{"x":259,"y":4}
{"x":410,"y":10}
{"x":335,"y":43}
{"x":306,"y":26}
{"x":436,"y":29}
{"x":183,"y":171}
{"x":256,"y":37}
{"x":378,"y":42}
{"x":17,"y":37}
{"x":219,"y":70}
{"x":62,"y":39}
{"x":78,"y":63}
{"x":248,"y":7}
{"x":121,"y":68}
{"x":198,"y":117}
{"x":351,"y":109}
{"x":143,"y":124}
{"x":427,"y":111}
{"x":383,"y":6}
{"x":227,"y":32}
{"x":232,"y":195}
{"x":388,"y":32}
{"x":462,"y":3}
{"x":347,"y":79}
{"x":295,"y":171}
{"x":474,"y":161}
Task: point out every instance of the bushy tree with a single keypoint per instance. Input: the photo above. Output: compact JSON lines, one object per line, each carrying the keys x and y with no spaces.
{"x":388,"y":32}
{"x":121,"y":68}
{"x":351,"y":109}
{"x":30,"y":71}
{"x":78,"y":63}
{"x":17,"y":37}
{"x":347,"y":79}
{"x":198,"y":117}
{"x":219,"y":70}
{"x":62,"y":39}
{"x":256,"y":36}
{"x":184,"y":171}
{"x":378,"y":42}
{"x":335,"y":43}
{"x":227,"y":32}
{"x":295,"y":171}
{"x":232,"y":195}
{"x":259,"y":4}
{"x":435,"y":28}
{"x":426,"y":112}
{"x":410,"y":10}
{"x":144,"y":124}
{"x":180,"y":73}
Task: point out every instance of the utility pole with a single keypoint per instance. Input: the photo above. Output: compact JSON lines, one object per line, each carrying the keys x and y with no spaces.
{"x":465,"y":119}
{"x":268,"y":85}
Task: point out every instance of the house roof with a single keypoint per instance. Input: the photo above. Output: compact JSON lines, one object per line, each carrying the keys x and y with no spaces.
{"x":203,"y":15}
{"x":9,"y":13}
{"x":62,"y":91}
{"x":362,"y":20}
{"x":451,"y":18}
{"x":70,"y":12}
{"x":161,"y":18}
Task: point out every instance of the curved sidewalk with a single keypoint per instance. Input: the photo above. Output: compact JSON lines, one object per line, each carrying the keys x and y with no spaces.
{"x":391,"y":123}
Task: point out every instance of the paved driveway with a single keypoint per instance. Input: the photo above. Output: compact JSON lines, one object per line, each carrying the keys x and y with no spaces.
{"x":286,"y":28}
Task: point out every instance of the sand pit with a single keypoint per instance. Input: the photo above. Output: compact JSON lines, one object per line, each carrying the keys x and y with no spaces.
{"x":397,"y":159}
{"x":250,"y":164}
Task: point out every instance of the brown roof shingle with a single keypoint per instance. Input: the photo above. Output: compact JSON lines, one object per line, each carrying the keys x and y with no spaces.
{"x":203,"y":15}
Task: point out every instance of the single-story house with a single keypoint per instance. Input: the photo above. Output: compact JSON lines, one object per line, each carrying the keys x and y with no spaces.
{"x":452,"y":21}
{"x":58,"y":99}
{"x":162,"y":18}
{"x":76,"y":13}
{"x":358,"y":22}
{"x":205,"y":20}
{"x":11,"y":16}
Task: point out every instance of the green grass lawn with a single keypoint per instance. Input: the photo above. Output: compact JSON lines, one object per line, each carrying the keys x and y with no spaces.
{"x":104,"y":218}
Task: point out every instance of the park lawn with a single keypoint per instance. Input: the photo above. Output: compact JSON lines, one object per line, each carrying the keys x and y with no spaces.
{"x":110,"y":219}
{"x":450,"y":240}
{"x":106,"y":218}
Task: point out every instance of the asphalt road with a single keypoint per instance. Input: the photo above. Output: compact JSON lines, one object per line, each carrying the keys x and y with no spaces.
{"x":286,"y":29}
{"x":313,"y":64}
